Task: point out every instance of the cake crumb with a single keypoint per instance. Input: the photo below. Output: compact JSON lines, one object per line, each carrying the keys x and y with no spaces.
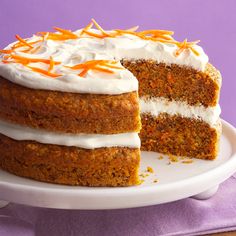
{"x":187,"y":161}
{"x":141,"y":181}
{"x":144,"y":175}
{"x":150,"y":169}
{"x":155,"y":181}
{"x":160,"y":157}
{"x":173,"y":158}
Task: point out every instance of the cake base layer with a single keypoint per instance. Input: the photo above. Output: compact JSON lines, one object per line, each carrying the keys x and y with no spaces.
{"x":69,"y":112}
{"x":116,"y":166}
{"x":179,"y":136}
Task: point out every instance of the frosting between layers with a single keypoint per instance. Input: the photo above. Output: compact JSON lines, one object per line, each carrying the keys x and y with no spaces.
{"x":75,"y":51}
{"x":87,"y":141}
{"x":156,"y":106}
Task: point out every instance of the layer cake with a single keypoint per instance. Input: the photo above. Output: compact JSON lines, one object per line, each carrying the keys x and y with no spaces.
{"x":72,"y":104}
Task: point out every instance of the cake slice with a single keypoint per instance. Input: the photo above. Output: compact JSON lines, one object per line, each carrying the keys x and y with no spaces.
{"x":179,"y":108}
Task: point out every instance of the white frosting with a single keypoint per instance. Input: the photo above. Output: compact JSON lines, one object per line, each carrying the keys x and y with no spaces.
{"x":156,"y":106}
{"x":72,"y":52}
{"x":87,"y":141}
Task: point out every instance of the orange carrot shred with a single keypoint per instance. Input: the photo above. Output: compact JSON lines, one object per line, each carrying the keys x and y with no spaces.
{"x":66,"y":32}
{"x":44,"y":72}
{"x":51,"y":65}
{"x":83,"y":73}
{"x":103,"y":70}
{"x":46,"y":61}
{"x":98,"y":65}
{"x":100,"y":28}
{"x":23,"y":41}
{"x":166,"y":32}
{"x":94,"y":34}
{"x":4,"y":51}
{"x":186,"y":45}
{"x":34,"y":50}
{"x":86,"y":28}
{"x":194,"y":51}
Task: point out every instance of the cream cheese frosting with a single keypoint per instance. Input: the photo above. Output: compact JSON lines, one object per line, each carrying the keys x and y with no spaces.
{"x":87,"y":141}
{"x":156,"y":106}
{"x":73,"y":51}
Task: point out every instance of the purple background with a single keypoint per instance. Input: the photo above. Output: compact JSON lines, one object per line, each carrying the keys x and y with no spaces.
{"x":212,"y":21}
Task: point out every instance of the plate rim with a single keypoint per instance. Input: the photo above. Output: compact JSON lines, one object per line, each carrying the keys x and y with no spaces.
{"x":229,"y":165}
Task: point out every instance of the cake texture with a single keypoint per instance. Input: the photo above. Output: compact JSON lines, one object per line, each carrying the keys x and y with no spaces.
{"x":179,"y":108}
{"x":72,"y":104}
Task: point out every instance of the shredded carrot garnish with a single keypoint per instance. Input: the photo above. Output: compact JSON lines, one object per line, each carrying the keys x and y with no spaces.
{"x":86,"y":28}
{"x":6,"y":51}
{"x":34,"y":50}
{"x":186,"y":45}
{"x":19,"y":45}
{"x":54,"y":36}
{"x":29,"y":60}
{"x":51,"y":65}
{"x":6,"y":61}
{"x":100,"y":28}
{"x":181,"y":48}
{"x":103,"y":70}
{"x":44,"y":72}
{"x":157,"y":32}
{"x":66,"y":32}
{"x":83,"y":73}
{"x":94,"y":34}
{"x":28,"y":46}
{"x":23,"y":41}
{"x":98,"y":65}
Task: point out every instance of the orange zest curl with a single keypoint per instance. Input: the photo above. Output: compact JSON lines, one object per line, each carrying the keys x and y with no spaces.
{"x":98,"y":65}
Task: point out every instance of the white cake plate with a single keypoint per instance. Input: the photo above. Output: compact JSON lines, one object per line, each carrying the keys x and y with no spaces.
{"x":175,"y":181}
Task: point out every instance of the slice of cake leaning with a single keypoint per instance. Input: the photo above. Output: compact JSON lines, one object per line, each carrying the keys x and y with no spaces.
{"x":67,"y":115}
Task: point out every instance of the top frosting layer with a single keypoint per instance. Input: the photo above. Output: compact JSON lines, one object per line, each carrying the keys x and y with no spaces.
{"x":81,"y":49}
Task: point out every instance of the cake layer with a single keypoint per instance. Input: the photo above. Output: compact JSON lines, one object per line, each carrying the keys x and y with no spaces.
{"x":176,"y":82}
{"x":92,"y":44}
{"x":87,"y":141}
{"x":115,"y":166}
{"x":157,"y":105}
{"x":121,"y":81}
{"x":179,"y":136}
{"x":69,"y":112}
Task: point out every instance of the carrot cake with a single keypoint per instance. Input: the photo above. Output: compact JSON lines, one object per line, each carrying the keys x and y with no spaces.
{"x":69,"y":105}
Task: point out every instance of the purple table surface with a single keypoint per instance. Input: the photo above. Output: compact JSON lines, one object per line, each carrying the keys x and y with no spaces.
{"x":212,"y":21}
